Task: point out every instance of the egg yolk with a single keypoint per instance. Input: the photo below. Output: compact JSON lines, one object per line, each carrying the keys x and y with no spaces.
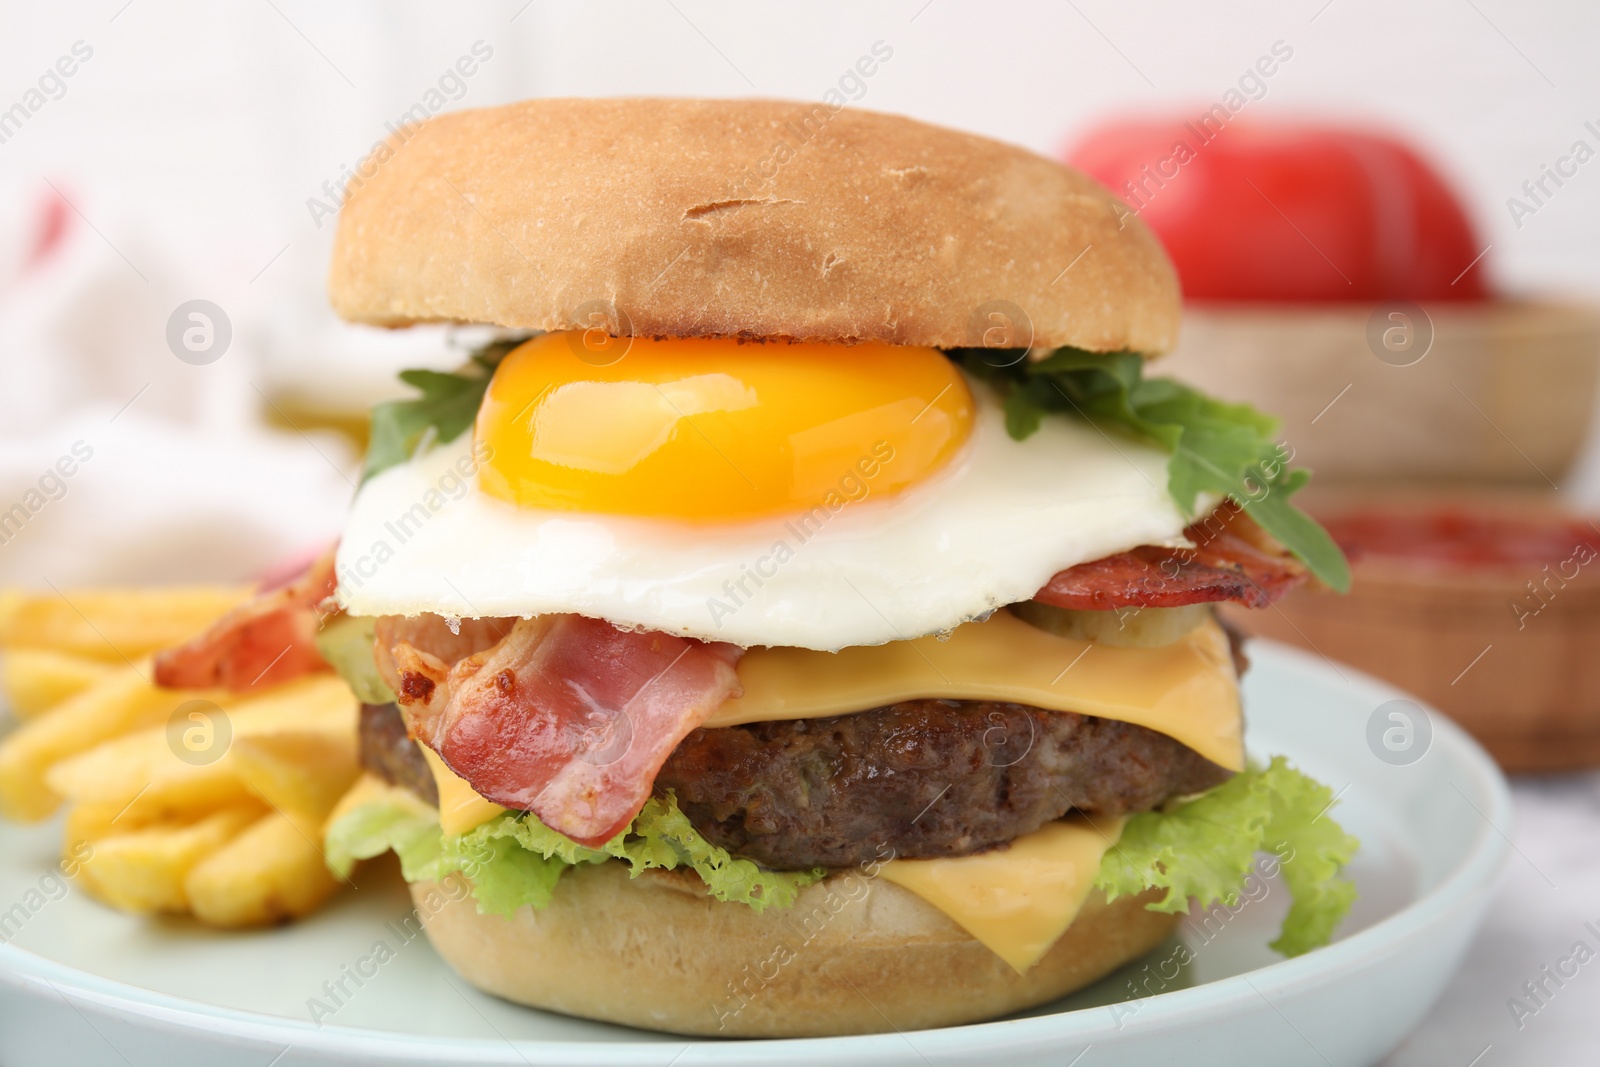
{"x":712,"y":429}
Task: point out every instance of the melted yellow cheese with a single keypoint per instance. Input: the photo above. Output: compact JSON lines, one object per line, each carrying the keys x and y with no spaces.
{"x":460,"y":807}
{"x":1187,"y":690}
{"x":1020,"y":899}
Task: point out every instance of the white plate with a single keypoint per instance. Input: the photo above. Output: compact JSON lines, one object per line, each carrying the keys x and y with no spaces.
{"x":80,"y":984}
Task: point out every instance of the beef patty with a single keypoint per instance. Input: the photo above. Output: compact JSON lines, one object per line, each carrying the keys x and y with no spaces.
{"x":921,"y":777}
{"x":388,"y":751}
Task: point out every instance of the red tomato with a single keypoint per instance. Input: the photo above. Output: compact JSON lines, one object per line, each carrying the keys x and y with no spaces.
{"x":1290,"y":212}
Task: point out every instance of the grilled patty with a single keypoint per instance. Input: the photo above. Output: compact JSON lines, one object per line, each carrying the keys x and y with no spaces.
{"x":388,"y":751}
{"x":921,"y":777}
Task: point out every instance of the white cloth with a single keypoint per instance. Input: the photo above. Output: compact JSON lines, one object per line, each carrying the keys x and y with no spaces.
{"x":176,"y":477}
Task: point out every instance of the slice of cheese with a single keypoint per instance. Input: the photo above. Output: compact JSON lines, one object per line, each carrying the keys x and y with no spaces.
{"x":1017,"y":900}
{"x":370,"y":789}
{"x":1187,"y":690}
{"x":460,"y":807}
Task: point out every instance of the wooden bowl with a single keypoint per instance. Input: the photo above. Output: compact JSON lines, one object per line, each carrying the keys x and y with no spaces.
{"x":1509,"y":648}
{"x":1496,"y":392}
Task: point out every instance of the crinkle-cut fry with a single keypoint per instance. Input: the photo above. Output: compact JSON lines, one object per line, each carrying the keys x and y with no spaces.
{"x":112,"y":624}
{"x":144,"y":871}
{"x":35,"y":680}
{"x":271,"y":872}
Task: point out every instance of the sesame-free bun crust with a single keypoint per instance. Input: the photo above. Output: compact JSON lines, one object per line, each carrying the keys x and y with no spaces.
{"x":749,"y":218}
{"x":854,"y":955}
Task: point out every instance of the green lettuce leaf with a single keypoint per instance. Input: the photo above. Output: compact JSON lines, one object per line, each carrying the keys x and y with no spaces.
{"x":1202,"y":849}
{"x":448,"y":405}
{"x":504,"y":875}
{"x":1221,"y":448}
{"x":411,"y":832}
{"x":515,"y":860}
{"x":345,"y":642}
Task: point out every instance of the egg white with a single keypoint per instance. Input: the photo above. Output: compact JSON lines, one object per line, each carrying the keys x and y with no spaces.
{"x":989,"y":530}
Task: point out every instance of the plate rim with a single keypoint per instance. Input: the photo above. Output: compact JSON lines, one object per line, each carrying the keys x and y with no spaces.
{"x":1473,"y":876}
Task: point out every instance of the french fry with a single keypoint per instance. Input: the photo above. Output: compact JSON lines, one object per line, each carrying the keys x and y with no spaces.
{"x":302,"y":774}
{"x":142,"y":771}
{"x":217,"y":809}
{"x":37,"y":679}
{"x":85,"y":826}
{"x":121,"y":702}
{"x":167,"y":774}
{"x":272,"y":871}
{"x":125,"y":702}
{"x":293,"y":748}
{"x":113,"y":625}
{"x":87,"y":823}
{"x":144,"y":871}
{"x":320,"y":703}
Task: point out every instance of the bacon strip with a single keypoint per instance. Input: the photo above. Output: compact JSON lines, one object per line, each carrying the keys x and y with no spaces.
{"x":267,"y":640}
{"x":1233,"y":559}
{"x":567,"y":717}
{"x":433,"y":634}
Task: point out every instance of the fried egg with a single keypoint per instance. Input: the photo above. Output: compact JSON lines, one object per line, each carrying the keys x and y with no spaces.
{"x":811,"y":496}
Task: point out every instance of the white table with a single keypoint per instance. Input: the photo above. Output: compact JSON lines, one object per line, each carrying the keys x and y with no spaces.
{"x":1551,"y":890}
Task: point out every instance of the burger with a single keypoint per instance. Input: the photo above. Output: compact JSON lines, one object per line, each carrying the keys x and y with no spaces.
{"x":798,"y":618}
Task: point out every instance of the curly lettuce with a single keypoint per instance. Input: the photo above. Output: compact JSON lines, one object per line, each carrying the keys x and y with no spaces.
{"x":1198,"y":849}
{"x":395,"y":823}
{"x":1202,"y":848}
{"x":1221,"y":448}
{"x":514,"y":860}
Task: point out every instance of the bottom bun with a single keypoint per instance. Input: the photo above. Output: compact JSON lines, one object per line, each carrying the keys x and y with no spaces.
{"x":854,"y":955}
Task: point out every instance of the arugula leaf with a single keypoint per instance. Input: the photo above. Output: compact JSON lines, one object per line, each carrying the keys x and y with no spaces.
{"x":448,"y":405}
{"x":1203,"y":849}
{"x":1216,"y":447}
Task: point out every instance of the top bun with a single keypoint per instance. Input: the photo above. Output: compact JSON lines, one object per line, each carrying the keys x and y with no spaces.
{"x":744,"y":218}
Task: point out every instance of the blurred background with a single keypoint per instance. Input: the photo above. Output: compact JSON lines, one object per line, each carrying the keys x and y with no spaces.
{"x":177,"y":403}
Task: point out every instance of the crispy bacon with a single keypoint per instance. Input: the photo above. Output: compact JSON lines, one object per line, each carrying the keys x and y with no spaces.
{"x":1232,"y":559}
{"x":449,"y":641}
{"x":266,"y":640}
{"x":567,"y":717}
